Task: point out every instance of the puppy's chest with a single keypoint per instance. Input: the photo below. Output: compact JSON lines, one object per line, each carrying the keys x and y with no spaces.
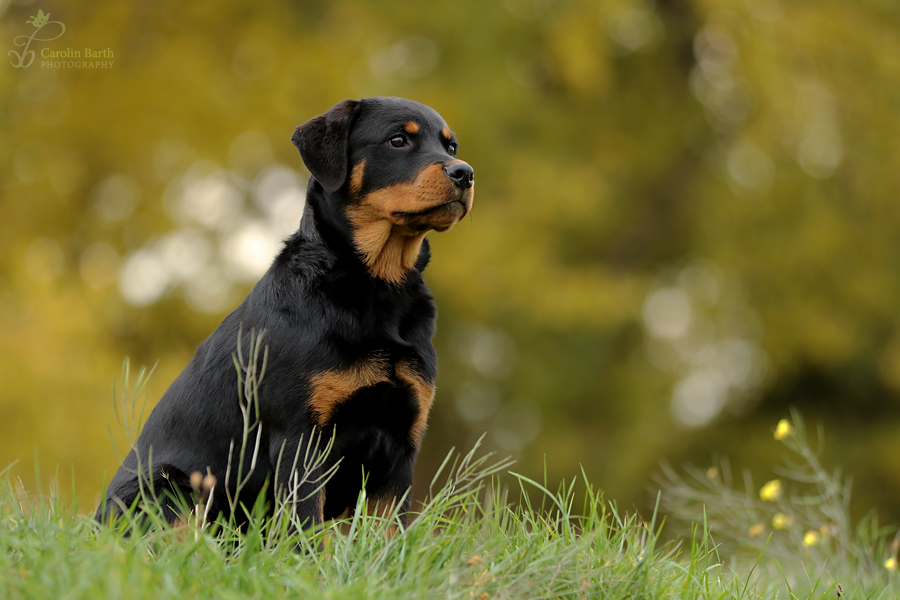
{"x":397,"y":384}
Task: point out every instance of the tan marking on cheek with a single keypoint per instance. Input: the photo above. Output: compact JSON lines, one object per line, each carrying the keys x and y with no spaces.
{"x":430,"y":188}
{"x":388,"y":251}
{"x":389,"y":244}
{"x":411,"y":127}
{"x":356,"y":178}
{"x":424,"y":396}
{"x":331,"y":388}
{"x":446,"y":133}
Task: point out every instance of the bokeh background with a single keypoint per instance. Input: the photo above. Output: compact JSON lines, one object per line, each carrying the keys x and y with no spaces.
{"x":687,"y":219}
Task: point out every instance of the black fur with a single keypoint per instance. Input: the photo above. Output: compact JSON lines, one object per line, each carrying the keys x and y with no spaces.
{"x":323,"y":311}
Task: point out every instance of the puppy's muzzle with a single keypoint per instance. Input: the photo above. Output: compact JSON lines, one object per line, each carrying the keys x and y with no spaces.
{"x":457,"y":202}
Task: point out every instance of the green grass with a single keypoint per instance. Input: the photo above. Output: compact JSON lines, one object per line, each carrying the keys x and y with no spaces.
{"x":468,"y":541}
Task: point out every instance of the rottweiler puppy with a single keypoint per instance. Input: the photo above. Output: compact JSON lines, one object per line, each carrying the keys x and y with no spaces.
{"x":347,"y":322}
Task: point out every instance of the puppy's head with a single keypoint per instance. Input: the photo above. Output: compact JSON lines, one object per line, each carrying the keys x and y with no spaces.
{"x":389,"y":168}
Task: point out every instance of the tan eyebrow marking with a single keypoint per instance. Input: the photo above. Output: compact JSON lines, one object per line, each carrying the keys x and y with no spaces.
{"x":446,"y":133}
{"x":411,"y":127}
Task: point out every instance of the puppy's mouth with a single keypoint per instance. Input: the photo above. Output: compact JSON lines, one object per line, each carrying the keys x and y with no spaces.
{"x":439,"y":218}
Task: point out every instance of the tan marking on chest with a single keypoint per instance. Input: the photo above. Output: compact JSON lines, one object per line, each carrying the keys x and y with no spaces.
{"x":424,"y":397}
{"x":331,"y":388}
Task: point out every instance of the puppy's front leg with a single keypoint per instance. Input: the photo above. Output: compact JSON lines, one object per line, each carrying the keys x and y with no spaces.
{"x":392,"y":494}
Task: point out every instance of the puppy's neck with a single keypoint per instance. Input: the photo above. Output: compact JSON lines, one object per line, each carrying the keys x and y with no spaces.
{"x":387,"y":251}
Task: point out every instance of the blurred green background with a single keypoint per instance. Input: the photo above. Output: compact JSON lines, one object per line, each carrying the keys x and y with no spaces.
{"x":686,"y":223}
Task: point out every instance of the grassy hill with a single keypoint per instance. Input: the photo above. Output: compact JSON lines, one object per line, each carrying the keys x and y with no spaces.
{"x":469,"y":540}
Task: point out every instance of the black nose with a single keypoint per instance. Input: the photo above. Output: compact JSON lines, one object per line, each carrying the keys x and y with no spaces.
{"x":460,"y":173}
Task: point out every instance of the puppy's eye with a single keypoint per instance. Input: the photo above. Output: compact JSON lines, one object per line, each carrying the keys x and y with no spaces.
{"x":452,"y":149}
{"x":398,"y":141}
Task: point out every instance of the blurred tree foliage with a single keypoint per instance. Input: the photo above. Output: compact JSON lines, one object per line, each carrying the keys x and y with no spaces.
{"x":686,"y":217}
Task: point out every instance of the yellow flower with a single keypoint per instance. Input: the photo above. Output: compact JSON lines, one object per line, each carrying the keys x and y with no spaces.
{"x":783,"y":429}
{"x":811,"y":538}
{"x":890,"y":564}
{"x":757,"y":529}
{"x":781,"y":521}
{"x":771,"y":491}
{"x":712,"y":473}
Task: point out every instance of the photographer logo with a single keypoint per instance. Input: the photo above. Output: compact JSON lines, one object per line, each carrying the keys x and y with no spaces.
{"x":68,"y":58}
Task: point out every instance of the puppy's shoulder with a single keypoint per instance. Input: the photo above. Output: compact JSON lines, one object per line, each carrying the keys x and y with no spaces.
{"x":303,"y":256}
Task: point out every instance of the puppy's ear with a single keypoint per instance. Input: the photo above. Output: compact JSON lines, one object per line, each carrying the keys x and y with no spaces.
{"x":323,"y":142}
